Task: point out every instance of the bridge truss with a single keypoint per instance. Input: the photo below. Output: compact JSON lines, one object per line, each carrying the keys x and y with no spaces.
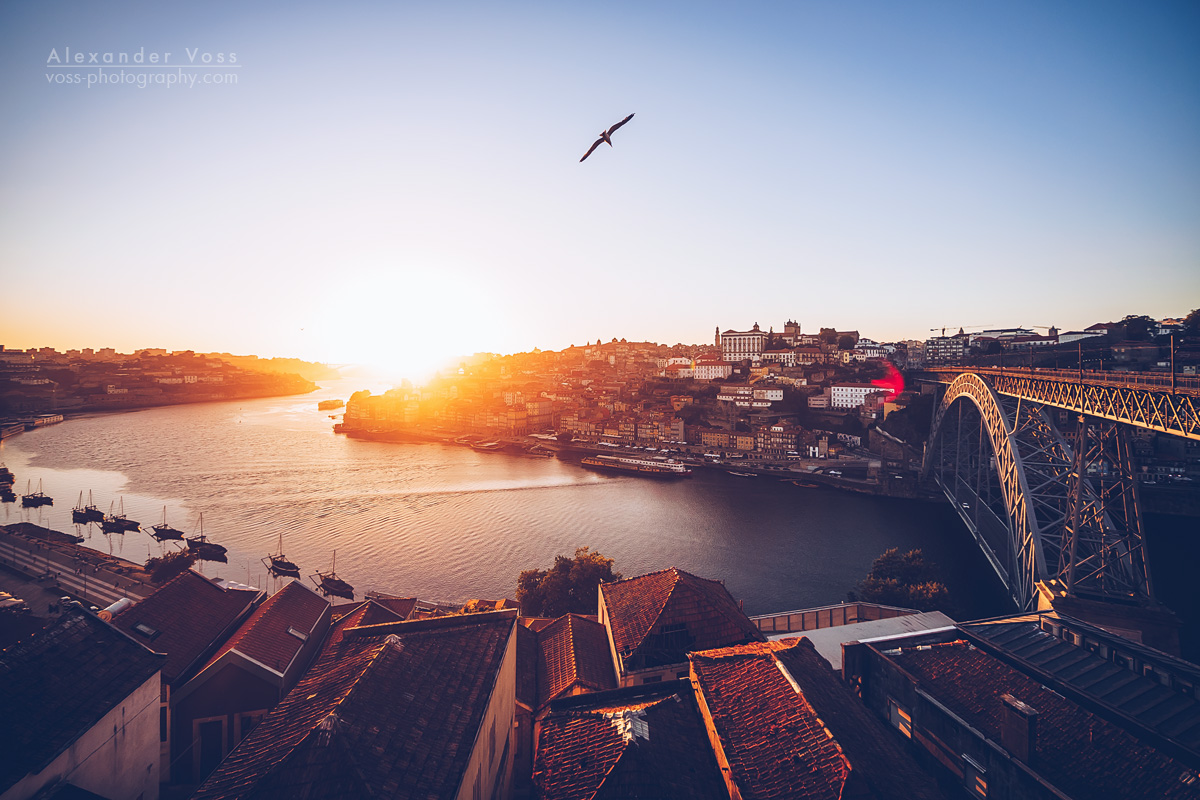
{"x":1040,"y":506}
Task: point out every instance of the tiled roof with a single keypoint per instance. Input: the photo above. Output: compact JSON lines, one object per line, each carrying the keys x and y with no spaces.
{"x":774,"y":741}
{"x":1079,"y":752}
{"x":392,"y":710}
{"x":636,"y":742}
{"x":188,"y":615}
{"x":573,"y":651}
{"x":639,"y":608}
{"x":59,"y":683}
{"x":364,"y":612}
{"x":264,"y":636}
{"x":876,"y":756}
{"x":1167,"y":712}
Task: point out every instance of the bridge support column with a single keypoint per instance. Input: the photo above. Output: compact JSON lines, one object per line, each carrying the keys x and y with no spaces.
{"x":1152,"y":625}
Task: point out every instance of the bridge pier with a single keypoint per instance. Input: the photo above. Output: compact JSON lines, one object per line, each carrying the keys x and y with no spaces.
{"x":1153,"y":625}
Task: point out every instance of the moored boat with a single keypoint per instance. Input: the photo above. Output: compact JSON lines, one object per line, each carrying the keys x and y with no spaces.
{"x":279,"y":565}
{"x":649,"y":467}
{"x":330,"y":585}
{"x":35,"y":499}
{"x":743,"y":474}
{"x":118,"y":522}
{"x":6,"y":476}
{"x":83,"y":514}
{"x":204,"y":549}
{"x":163,"y":531}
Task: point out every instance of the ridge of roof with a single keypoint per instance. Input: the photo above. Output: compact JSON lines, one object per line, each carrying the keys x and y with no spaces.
{"x":245,"y":634}
{"x":404,"y":627}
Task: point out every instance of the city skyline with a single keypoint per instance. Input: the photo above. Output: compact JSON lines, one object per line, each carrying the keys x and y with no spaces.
{"x":379,"y":184}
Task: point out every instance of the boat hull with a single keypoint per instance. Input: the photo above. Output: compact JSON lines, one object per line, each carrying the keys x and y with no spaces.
{"x":644,"y":470}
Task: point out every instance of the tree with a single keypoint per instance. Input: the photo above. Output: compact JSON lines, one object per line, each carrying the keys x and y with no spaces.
{"x":570,"y":586}
{"x":905,"y":580}
{"x":1138,"y":327}
{"x":845,"y":342}
{"x":1191,"y":323}
{"x":170,"y":564}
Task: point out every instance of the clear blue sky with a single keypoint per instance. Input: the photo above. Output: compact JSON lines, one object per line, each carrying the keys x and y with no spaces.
{"x":395,"y":181}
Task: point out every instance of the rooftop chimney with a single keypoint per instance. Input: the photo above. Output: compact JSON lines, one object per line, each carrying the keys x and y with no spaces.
{"x":1018,"y":728}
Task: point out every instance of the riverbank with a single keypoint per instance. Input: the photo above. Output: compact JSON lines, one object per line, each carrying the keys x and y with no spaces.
{"x":811,"y":472}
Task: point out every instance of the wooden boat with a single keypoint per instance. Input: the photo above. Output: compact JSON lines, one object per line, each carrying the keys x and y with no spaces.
{"x":118,"y":523}
{"x":83,"y":514}
{"x":36,"y":499}
{"x":7,"y":495}
{"x":743,"y":474}
{"x":204,"y":549}
{"x":279,"y":566}
{"x":6,"y":476}
{"x":329,"y":584}
{"x":163,"y":531}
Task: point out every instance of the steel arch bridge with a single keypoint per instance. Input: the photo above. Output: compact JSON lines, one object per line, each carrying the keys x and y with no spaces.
{"x":1045,"y":506}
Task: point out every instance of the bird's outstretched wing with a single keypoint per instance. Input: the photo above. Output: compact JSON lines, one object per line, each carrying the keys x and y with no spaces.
{"x":613,"y":129}
{"x":597,"y":143}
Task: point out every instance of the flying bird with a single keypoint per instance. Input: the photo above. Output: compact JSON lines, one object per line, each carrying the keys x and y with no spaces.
{"x":605,"y":136}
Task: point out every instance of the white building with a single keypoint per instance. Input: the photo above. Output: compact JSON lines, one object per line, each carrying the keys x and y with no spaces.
{"x":850,"y":395}
{"x":742,"y":345}
{"x":708,"y":370}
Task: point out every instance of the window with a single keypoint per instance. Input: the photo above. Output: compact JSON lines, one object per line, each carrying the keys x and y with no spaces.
{"x":899,"y":718}
{"x":162,"y":723}
{"x":301,"y":635}
{"x":974,"y":778}
{"x":247,"y":721}
{"x":652,"y":679}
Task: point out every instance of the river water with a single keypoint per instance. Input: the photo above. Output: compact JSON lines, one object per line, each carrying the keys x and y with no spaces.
{"x":447,"y":523}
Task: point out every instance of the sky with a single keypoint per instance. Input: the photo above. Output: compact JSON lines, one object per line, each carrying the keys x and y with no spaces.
{"x":395,"y":183}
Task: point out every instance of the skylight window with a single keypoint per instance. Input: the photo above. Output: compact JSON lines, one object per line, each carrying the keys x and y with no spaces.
{"x":147,"y":631}
{"x":301,"y":635}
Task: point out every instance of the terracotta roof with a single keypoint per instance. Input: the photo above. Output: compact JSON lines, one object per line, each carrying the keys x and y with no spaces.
{"x":774,"y":741}
{"x":573,"y":652}
{"x":264,"y":636}
{"x":364,"y":612}
{"x":185,"y":618}
{"x":643,"y":741}
{"x":1081,"y":753}
{"x":662,"y":615}
{"x":876,"y":756}
{"x":59,"y":683}
{"x":392,"y":710}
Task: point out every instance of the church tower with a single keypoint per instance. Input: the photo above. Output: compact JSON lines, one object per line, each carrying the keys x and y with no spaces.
{"x":717,"y":340}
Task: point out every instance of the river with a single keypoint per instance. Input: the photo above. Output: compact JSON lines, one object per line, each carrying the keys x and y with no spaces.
{"x":447,"y":523}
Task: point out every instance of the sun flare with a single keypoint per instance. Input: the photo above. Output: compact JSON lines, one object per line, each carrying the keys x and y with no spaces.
{"x":406,"y":324}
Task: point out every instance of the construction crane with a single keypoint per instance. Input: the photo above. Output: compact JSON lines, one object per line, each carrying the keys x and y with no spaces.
{"x":960,"y":327}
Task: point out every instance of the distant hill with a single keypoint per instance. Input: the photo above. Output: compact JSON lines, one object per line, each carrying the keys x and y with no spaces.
{"x":291,"y":366}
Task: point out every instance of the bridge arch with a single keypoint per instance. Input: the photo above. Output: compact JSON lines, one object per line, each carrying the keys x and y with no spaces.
{"x":979,"y":446}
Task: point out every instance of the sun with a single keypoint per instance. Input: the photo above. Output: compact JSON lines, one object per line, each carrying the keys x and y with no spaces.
{"x":407,"y":325}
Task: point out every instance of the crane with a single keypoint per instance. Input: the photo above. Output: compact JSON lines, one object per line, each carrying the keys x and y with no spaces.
{"x":960,"y":327}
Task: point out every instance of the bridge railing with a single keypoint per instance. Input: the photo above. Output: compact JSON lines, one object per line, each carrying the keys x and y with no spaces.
{"x":1188,"y":384}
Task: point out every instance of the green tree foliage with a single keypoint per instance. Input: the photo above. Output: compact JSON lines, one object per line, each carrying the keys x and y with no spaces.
{"x":170,"y":564}
{"x":1191,"y":323}
{"x":845,"y":342}
{"x":1138,"y":327}
{"x":902,"y":579}
{"x":570,"y":586}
